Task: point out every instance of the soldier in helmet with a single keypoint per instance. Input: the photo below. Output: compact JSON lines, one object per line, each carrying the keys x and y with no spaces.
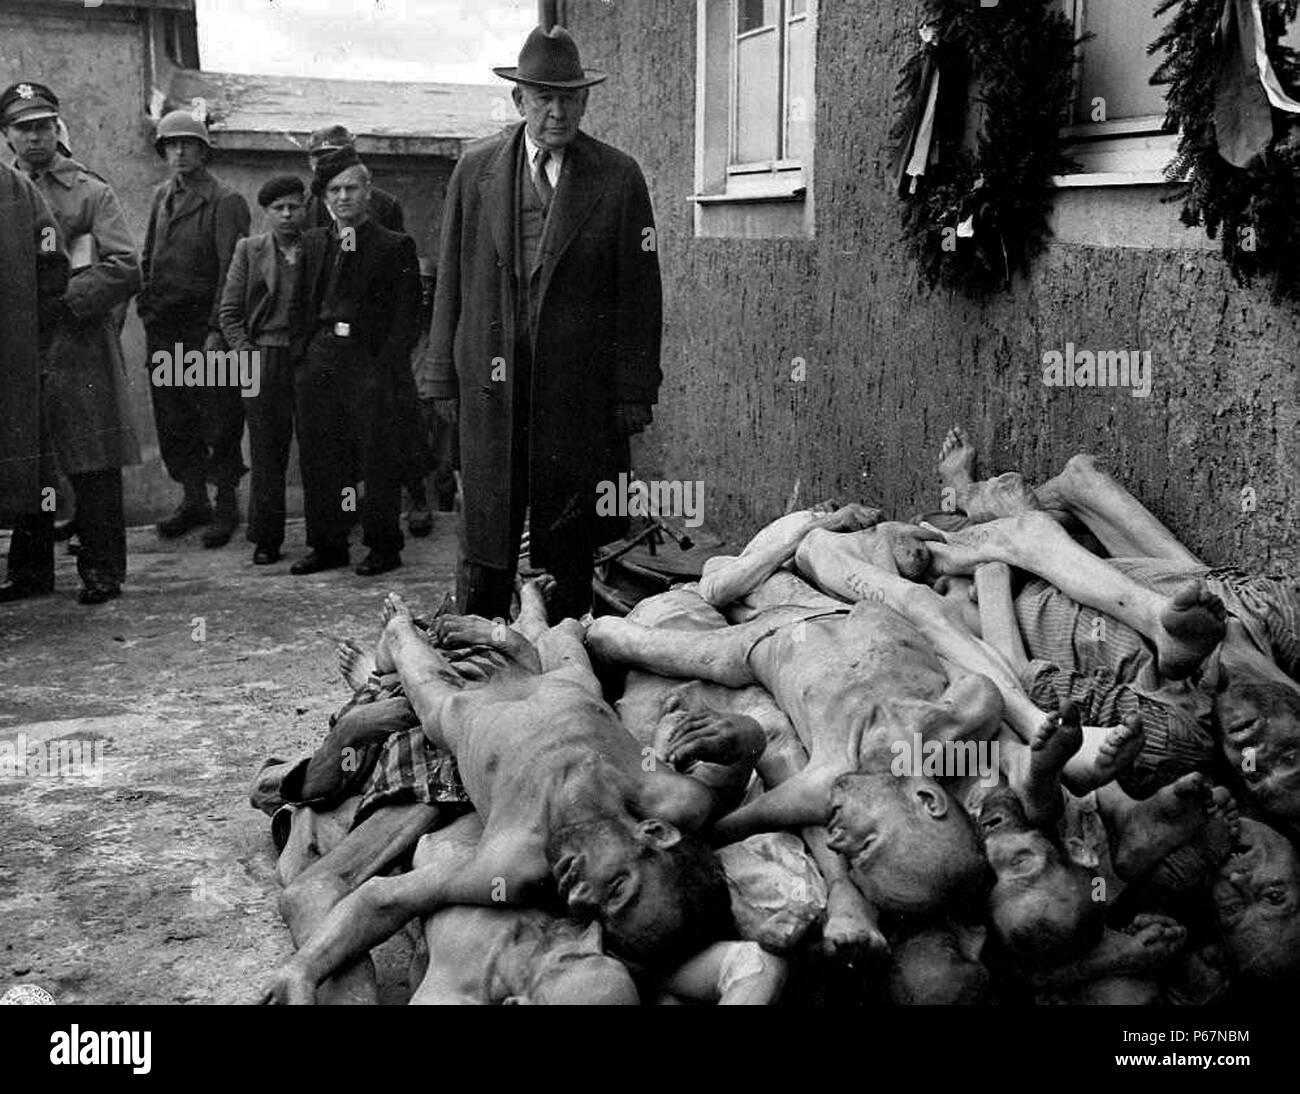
{"x":85,"y":408}
{"x":194,"y":224}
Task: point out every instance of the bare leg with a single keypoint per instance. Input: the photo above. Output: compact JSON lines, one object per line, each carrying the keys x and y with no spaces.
{"x":1183,"y":629}
{"x":1126,"y":528}
{"x":852,"y":929}
{"x":834,"y":564}
{"x":720,"y":656}
{"x":531,"y":621}
{"x":314,"y":887}
{"x":1140,"y":949}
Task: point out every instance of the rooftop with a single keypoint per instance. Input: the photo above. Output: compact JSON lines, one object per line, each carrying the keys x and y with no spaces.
{"x":276,"y":113}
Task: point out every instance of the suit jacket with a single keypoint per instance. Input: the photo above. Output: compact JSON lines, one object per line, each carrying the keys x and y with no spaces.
{"x":250,"y":292}
{"x":388,"y":275}
{"x":596,"y":340}
{"x":187,"y":253}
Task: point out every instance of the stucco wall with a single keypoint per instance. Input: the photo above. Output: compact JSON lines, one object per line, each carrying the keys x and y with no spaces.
{"x":94,"y":61}
{"x":891,"y":365}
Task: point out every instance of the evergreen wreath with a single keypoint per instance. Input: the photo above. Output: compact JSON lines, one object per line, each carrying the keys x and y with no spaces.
{"x":1255,"y":210}
{"x":1013,"y":63}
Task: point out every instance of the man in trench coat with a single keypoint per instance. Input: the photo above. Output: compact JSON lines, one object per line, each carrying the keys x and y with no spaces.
{"x":85,"y":407}
{"x":546,"y":332}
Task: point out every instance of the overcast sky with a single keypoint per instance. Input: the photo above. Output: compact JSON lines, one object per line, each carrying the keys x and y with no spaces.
{"x":445,"y":41}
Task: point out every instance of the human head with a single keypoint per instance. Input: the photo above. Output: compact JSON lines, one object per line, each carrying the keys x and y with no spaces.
{"x":347,"y":195}
{"x":29,"y":116}
{"x":551,"y":85}
{"x":1256,"y":899}
{"x":939,"y":966}
{"x":572,"y":969}
{"x":911,"y":849}
{"x":659,"y":893}
{"x":551,"y":115}
{"x":1042,"y":906}
{"x":183,"y":141}
{"x":284,"y":199}
{"x":324,"y":141}
{"x":1259,"y":721}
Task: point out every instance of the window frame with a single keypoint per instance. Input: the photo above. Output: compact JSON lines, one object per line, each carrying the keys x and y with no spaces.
{"x":722,"y":181}
{"x":1119,"y":152}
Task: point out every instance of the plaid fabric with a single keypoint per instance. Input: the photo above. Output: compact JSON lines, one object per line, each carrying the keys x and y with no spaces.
{"x":410,"y":769}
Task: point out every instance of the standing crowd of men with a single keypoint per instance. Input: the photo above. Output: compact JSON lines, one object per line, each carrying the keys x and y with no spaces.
{"x":543,"y":350}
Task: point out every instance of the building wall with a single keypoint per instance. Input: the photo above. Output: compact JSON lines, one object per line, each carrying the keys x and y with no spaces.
{"x":94,"y":60}
{"x":891,"y":365}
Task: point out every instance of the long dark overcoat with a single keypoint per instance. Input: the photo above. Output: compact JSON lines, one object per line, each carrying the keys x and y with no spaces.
{"x":33,"y":270}
{"x":596,"y":342}
{"x":86,"y":397}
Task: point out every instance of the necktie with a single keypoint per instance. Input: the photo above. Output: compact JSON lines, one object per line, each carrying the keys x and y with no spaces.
{"x":542,"y":180}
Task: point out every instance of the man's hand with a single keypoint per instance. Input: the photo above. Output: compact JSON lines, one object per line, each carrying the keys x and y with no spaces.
{"x":288,"y":986}
{"x":849,"y":518}
{"x":447,"y":410}
{"x":632,"y":418}
{"x":710,"y":736}
{"x":214,"y":343}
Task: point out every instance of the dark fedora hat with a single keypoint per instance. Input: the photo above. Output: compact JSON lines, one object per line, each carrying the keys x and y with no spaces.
{"x":550,"y":59}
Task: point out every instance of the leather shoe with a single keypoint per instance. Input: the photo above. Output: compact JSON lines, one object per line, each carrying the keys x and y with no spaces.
{"x":11,"y":590}
{"x":266,"y":554}
{"x":419,"y":521}
{"x":185,"y":518}
{"x":315,"y":561}
{"x":222,"y":528}
{"x":379,"y":562}
{"x":98,"y":592}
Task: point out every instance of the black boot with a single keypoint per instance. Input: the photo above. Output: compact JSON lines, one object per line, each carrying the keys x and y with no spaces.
{"x":225,"y":518}
{"x":191,"y":512}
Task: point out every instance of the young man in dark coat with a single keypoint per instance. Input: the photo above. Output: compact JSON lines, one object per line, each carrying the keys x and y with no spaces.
{"x":84,"y":396}
{"x":255,"y":305}
{"x":194,"y":224}
{"x":355,"y":318}
{"x":546,"y":331}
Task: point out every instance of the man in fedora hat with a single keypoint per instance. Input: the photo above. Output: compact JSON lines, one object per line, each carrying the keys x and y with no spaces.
{"x":546,"y":331}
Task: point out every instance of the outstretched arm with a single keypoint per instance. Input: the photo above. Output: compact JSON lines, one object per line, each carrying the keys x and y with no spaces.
{"x":773,"y":548}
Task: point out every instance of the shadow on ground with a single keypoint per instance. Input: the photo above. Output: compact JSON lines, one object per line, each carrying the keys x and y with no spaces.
{"x":154,"y":882}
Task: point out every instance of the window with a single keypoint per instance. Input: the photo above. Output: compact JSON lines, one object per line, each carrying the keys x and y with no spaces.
{"x":754,"y":114}
{"x":1118,"y":118}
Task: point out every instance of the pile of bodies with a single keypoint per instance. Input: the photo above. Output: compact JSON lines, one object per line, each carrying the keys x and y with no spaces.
{"x":1028,"y":750}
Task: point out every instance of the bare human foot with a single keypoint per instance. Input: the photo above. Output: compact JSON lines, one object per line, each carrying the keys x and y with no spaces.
{"x":691,"y":731}
{"x":1106,"y":752}
{"x":956,"y":468}
{"x":850,"y":936}
{"x":1145,"y":944}
{"x":1004,"y":495}
{"x":1193,"y":624}
{"x":395,"y":616}
{"x":1055,"y":741}
{"x":356,"y":663}
{"x":1174,"y":816}
{"x":1193,"y":865}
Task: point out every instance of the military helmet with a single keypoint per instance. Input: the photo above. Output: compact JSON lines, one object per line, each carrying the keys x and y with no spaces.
{"x":178,"y":124}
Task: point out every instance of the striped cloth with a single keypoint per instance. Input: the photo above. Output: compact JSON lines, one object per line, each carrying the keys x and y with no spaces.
{"x":410,"y":769}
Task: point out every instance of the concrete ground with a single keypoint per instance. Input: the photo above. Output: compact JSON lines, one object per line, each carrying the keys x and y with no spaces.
{"x":147,"y":878}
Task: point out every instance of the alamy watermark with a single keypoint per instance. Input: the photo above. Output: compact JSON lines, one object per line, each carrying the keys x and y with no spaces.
{"x":179,"y":367}
{"x":936,"y":759}
{"x":632,"y":497}
{"x":1099,"y":368}
{"x":21,"y":758}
